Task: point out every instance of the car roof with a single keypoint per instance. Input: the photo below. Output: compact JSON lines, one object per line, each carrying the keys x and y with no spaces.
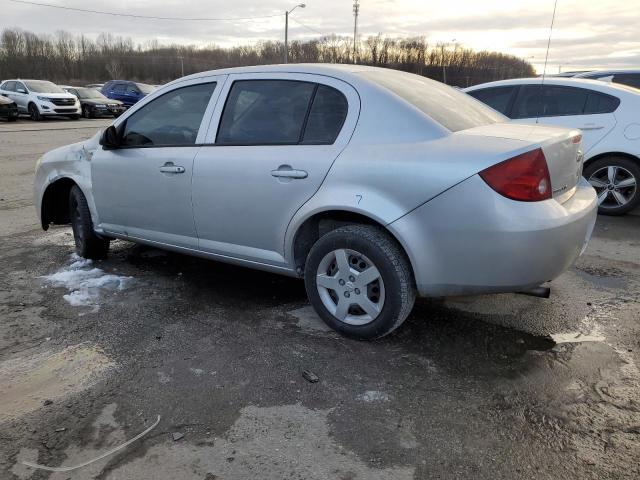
{"x":602,"y":73}
{"x":597,"y":85}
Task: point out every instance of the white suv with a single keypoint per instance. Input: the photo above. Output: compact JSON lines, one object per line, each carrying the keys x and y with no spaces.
{"x":40,"y":98}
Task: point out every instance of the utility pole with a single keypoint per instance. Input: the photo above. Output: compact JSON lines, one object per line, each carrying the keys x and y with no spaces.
{"x":356,"y":12}
{"x":286,"y":31}
{"x":181,"y":65}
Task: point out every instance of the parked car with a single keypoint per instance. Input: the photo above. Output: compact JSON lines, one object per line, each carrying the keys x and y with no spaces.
{"x":607,"y":114}
{"x":95,"y":86}
{"x":127,"y":92}
{"x":94,"y":104}
{"x":627,"y":77}
{"x":373,"y":185}
{"x":40,"y":98}
{"x":8,"y":109}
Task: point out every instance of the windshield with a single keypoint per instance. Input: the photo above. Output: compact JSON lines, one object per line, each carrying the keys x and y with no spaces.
{"x":144,"y":88}
{"x":42,"y":86}
{"x":451,"y":108}
{"x":89,"y":93}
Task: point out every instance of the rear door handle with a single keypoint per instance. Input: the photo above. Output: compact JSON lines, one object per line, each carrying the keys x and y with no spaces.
{"x":285,"y":171}
{"x":171,"y":168}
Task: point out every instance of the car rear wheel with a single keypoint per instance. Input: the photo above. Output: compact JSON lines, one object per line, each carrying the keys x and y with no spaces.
{"x":359,"y":281}
{"x":617,"y":184}
{"x":34,"y":113}
{"x":88,"y":244}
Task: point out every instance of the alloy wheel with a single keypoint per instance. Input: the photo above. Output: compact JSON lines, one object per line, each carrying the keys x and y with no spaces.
{"x":350,"y":286}
{"x":615,"y":186}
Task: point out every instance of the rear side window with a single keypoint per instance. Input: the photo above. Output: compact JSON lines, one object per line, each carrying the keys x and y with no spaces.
{"x":9,"y":86}
{"x":171,"y":119}
{"x":326,"y":116}
{"x":549,"y":101}
{"x":601,"y":103}
{"x":451,"y":108}
{"x":498,"y":98}
{"x":629,"y":79}
{"x":265,"y":112}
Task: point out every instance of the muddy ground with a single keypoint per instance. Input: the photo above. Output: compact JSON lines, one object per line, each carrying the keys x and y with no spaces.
{"x":471,"y":387}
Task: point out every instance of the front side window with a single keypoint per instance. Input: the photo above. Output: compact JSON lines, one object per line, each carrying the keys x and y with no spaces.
{"x":549,"y":101}
{"x":497,"y":98}
{"x":265,"y":112}
{"x":132,"y":89}
{"x":171,"y":119}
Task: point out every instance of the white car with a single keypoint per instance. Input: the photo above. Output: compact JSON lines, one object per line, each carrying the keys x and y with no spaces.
{"x":629,"y":77}
{"x":607,"y":114}
{"x":41,"y":98}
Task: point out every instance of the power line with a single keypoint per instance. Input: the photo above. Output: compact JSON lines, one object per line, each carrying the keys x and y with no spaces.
{"x":149,"y":17}
{"x":308,"y":27}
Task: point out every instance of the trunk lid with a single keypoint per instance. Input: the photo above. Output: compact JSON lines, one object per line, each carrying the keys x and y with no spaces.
{"x":562,"y":149}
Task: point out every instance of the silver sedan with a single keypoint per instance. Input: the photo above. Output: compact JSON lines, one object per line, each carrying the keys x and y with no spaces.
{"x":373,"y":185}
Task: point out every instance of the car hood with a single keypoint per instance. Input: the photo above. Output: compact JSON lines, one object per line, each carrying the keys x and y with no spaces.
{"x":55,"y":95}
{"x":5,"y":100}
{"x":98,"y":101}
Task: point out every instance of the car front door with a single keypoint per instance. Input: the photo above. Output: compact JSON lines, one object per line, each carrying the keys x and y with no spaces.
{"x":21,"y":97}
{"x":572,"y":107}
{"x":268,"y":150}
{"x":142,"y":190}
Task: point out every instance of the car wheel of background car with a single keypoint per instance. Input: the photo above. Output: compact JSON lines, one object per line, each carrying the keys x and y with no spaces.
{"x":86,"y":112}
{"x":88,"y":244}
{"x":359,"y":281}
{"x":616,"y":180}
{"x":34,"y":113}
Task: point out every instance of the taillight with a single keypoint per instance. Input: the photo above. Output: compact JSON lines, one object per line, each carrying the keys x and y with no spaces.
{"x":524,"y":178}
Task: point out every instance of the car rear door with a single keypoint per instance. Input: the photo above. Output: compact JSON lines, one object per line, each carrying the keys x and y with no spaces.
{"x":572,"y":107}
{"x":143,"y":190}
{"x":269,"y":147}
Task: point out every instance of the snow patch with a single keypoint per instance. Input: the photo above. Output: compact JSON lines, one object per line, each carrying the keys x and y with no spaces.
{"x":85,"y":282}
{"x":374,"y":396}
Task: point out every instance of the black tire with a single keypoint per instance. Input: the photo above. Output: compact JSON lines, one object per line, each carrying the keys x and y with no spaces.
{"x":390,"y":260}
{"x":86,"y":112}
{"x":88,"y":244}
{"x":627,"y":168}
{"x":34,"y":113}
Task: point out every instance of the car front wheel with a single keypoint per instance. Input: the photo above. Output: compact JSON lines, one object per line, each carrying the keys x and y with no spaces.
{"x":359,"y":281}
{"x":34,"y":113}
{"x":616,"y":181}
{"x":88,"y":244}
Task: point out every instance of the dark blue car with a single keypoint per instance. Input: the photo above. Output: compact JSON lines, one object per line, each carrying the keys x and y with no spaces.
{"x":126,"y":91}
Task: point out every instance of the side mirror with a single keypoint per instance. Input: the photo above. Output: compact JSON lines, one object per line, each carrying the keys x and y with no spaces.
{"x":21,"y":90}
{"x":110,"y":138}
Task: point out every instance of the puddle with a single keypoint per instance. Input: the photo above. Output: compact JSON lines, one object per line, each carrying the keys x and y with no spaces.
{"x":576,"y":337}
{"x":371,"y":396}
{"x":85,"y":282}
{"x":286,"y":441}
{"x":26,"y":382}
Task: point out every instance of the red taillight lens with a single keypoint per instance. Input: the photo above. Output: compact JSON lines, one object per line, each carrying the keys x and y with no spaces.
{"x":524,"y":178}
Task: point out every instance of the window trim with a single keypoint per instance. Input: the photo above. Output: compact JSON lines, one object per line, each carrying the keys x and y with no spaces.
{"x":123,"y":124}
{"x":304,"y":122}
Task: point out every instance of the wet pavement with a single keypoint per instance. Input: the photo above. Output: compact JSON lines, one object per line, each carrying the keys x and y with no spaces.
{"x":499,"y":386}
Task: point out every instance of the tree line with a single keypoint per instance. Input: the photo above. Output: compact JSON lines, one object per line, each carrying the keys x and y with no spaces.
{"x":65,"y":58}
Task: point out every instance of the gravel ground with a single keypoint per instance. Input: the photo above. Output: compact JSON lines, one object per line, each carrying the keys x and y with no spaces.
{"x":472,"y":387}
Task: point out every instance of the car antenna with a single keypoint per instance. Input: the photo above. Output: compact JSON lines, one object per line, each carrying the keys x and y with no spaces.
{"x":546,"y":58}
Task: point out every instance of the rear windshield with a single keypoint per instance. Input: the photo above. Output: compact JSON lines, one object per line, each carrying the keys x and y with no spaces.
{"x":453,"y":109}
{"x":42,"y":86}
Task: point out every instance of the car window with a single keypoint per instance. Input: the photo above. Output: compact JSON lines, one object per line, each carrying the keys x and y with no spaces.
{"x":132,"y":89}
{"x":451,"y":108}
{"x":20,"y":86}
{"x":601,"y":103}
{"x":326,"y":116}
{"x":171,"y":119}
{"x":119,"y":88}
{"x":549,"y":101}
{"x":264,"y":112}
{"x":9,"y":86}
{"x":72,"y":91}
{"x":497,"y":98}
{"x":629,"y":79}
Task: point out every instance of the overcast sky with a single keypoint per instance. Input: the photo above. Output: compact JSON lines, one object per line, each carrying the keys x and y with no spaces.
{"x":587,"y":33}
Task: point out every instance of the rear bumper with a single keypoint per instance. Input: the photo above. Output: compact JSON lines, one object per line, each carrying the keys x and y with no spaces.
{"x":472,"y":240}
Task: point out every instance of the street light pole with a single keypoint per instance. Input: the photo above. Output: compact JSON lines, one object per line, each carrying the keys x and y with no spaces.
{"x":286,"y":31}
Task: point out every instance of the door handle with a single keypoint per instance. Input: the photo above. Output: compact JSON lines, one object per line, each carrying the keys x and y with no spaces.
{"x":285,"y":171}
{"x":171,"y":168}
